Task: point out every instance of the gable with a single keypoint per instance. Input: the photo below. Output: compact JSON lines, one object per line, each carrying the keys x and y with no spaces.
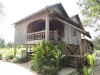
{"x":74,"y":19}
{"x":60,"y":9}
{"x":77,"y":20}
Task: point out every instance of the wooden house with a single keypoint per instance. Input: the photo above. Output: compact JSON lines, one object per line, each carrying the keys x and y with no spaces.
{"x":88,"y":45}
{"x":50,"y":23}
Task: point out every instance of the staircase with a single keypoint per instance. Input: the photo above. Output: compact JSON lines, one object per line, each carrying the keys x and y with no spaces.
{"x":71,"y":61}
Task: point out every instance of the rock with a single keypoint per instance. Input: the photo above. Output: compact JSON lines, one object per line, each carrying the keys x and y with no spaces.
{"x":67,"y":71}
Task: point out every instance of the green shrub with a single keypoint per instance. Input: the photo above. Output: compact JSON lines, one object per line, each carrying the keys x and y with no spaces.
{"x":9,"y":57}
{"x":47,"y":57}
{"x":19,"y":60}
{"x":0,"y":56}
{"x":48,"y":70}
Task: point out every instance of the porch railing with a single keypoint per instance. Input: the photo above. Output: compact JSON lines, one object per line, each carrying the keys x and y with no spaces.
{"x":40,"y":35}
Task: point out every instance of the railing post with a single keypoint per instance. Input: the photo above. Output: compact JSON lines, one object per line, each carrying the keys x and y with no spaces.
{"x":47,"y":28}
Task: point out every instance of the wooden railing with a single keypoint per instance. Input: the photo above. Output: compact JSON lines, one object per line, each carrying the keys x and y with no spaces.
{"x":40,"y":35}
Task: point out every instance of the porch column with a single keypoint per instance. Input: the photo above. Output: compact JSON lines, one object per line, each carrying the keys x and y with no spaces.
{"x":47,"y":28}
{"x":15,"y":46}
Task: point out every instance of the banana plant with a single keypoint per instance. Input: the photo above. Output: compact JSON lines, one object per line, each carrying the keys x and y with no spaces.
{"x":91,"y":59}
{"x":47,"y":54}
{"x":57,"y":54}
{"x":86,"y":71}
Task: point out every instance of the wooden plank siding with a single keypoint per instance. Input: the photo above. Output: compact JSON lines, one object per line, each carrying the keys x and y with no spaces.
{"x":20,"y":34}
{"x":69,"y":38}
{"x":21,"y":30}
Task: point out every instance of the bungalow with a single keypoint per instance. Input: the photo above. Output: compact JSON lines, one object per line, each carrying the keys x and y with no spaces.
{"x":50,"y":23}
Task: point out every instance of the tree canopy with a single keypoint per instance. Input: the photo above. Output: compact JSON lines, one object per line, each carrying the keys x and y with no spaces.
{"x":10,"y":44}
{"x":90,"y":9}
{"x":96,"y":43}
{"x":2,"y":43}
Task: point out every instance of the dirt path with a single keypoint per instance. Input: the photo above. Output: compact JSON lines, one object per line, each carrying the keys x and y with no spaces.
{"x":97,"y":68}
{"x":7,"y":68}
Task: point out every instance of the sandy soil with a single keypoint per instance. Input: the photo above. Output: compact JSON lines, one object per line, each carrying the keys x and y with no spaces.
{"x":7,"y":68}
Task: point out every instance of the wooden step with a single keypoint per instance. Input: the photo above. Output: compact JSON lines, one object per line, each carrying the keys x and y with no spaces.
{"x":71,"y":64}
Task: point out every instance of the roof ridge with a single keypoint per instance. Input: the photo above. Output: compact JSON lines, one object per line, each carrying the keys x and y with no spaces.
{"x":48,"y":6}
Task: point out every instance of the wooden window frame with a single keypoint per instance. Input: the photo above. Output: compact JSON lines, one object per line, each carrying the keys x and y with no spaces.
{"x":73,"y":32}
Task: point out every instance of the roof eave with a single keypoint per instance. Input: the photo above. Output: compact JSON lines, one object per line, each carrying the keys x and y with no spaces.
{"x":44,"y":9}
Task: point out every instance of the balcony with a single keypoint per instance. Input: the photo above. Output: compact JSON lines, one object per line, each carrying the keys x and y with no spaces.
{"x":36,"y":37}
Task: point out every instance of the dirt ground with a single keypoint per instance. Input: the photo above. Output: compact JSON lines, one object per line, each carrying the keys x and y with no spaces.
{"x":7,"y":68}
{"x":97,"y":68}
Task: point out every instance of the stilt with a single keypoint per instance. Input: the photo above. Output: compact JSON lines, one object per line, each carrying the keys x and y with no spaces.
{"x":84,"y":44}
{"x":15,"y":46}
{"x":26,"y":50}
{"x":30,"y":47}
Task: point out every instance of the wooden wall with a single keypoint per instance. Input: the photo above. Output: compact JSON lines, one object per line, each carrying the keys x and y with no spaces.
{"x":69,"y":38}
{"x":21,"y":29}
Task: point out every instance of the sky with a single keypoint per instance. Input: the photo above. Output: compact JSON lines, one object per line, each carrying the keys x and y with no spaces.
{"x":15,"y":10}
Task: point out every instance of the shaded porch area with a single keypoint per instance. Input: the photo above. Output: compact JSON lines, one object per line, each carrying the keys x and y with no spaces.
{"x":36,"y":37}
{"x":36,"y":31}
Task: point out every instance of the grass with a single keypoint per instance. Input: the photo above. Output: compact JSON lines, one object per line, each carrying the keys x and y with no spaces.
{"x":6,"y":50}
{"x":10,"y":51}
{"x":8,"y":55}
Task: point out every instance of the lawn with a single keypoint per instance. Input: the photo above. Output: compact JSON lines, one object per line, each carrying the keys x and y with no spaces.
{"x":10,"y":49}
{"x":6,"y":51}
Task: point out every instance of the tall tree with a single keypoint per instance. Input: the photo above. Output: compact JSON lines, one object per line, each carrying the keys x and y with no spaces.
{"x":90,"y":9}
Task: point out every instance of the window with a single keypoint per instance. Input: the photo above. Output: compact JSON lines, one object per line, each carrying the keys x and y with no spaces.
{"x":73,"y":32}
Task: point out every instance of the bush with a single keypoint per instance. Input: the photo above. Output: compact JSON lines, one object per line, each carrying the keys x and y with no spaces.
{"x":0,"y":56}
{"x":48,"y":70}
{"x":19,"y":60}
{"x":47,"y":57}
{"x":9,"y":57}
